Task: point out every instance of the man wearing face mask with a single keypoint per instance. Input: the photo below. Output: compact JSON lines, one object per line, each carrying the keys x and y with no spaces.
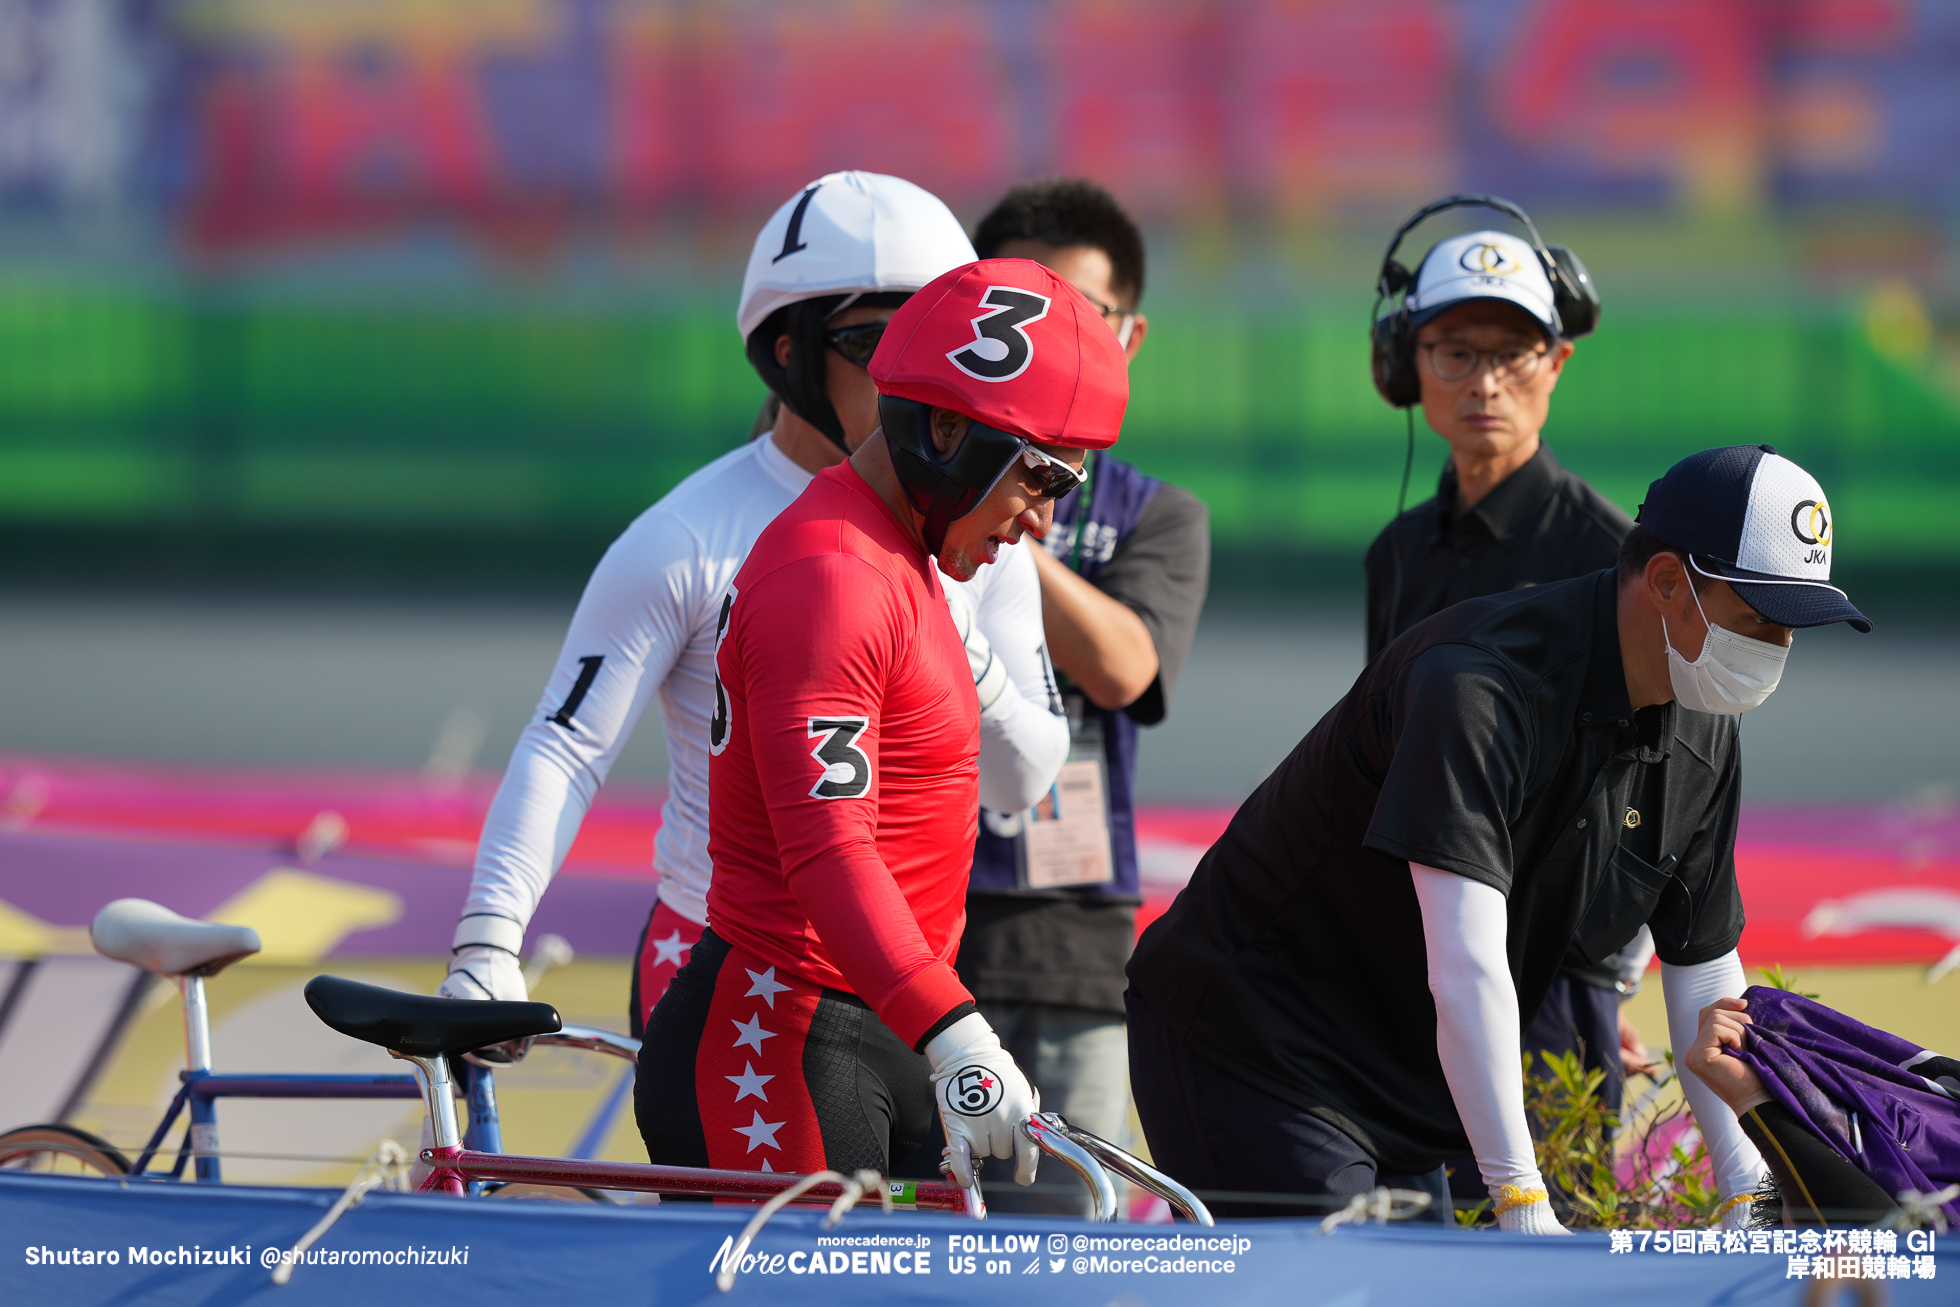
{"x":1480,"y":344}
{"x":1517,"y":783}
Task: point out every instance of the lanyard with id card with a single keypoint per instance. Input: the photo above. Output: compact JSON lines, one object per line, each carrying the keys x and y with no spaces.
{"x":1064,"y":838}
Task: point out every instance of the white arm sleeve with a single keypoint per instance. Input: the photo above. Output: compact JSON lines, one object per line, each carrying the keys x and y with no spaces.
{"x":1478,"y":1035}
{"x":1633,"y":959}
{"x":1738,"y":1166}
{"x":1023,"y":736}
{"x":634,"y":618}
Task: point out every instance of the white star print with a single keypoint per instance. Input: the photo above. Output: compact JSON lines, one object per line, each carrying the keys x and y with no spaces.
{"x":767,"y":1167}
{"x":749,"y":1083}
{"x":751,"y":1032}
{"x":761,"y":1133}
{"x":669,"y":950}
{"x":766,"y":987}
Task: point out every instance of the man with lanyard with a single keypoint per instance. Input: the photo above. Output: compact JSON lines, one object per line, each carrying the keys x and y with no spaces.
{"x":1051,"y":915}
{"x":1480,"y":342}
{"x":1334,"y":1001}
{"x":844,"y":785}
{"x":826,"y":274}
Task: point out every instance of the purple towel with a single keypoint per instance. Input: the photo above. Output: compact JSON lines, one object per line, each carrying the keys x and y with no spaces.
{"x":1889,"y":1107}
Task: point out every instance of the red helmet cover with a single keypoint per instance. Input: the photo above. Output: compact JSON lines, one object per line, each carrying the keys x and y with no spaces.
{"x":1007,"y":342}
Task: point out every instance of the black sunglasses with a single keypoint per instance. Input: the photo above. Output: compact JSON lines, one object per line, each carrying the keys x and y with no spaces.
{"x":857,"y":343}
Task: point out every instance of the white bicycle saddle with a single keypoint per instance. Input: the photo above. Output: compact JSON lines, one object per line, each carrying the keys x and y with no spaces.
{"x":151,"y":936}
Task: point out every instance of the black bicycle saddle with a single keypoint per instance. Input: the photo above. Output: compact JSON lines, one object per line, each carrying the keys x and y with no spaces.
{"x":422,"y":1026}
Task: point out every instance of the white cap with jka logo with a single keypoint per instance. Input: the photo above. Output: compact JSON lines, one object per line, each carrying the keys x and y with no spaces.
{"x":1483,"y":265}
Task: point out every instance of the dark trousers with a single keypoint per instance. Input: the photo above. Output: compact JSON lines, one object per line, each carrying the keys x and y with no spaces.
{"x":1583,"y":1019}
{"x":1216,"y":1133}
{"x":841,"y":1090}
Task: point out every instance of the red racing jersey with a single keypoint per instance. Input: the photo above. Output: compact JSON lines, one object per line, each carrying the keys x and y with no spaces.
{"x":843,"y":786}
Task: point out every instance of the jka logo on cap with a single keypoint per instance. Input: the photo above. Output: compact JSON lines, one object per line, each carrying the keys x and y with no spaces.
{"x":1811,"y":521}
{"x":1487,"y":258}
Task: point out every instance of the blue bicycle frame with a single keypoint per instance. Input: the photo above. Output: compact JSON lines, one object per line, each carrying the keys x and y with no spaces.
{"x":203,"y":1087}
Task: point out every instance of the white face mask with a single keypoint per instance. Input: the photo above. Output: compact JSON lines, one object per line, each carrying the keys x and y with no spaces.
{"x":1733,"y":674}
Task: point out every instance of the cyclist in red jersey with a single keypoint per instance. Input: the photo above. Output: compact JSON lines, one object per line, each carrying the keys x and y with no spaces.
{"x":819,"y":1023}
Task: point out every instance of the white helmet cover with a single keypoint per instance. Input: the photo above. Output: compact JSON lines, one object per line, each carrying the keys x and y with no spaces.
{"x":850,"y":233}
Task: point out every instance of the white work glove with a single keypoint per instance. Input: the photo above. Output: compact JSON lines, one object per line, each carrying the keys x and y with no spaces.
{"x":484,"y":961}
{"x":982,"y":1099}
{"x":1534,"y":1217}
{"x":989,"y":672}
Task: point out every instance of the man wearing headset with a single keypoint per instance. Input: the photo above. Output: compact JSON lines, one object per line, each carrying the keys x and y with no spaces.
{"x":844,"y":795}
{"x":1480,"y":342}
{"x":826,"y":274}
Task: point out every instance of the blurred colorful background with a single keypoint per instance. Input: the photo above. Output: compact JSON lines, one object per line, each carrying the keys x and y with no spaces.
{"x":375,"y":284}
{"x":339,"y":337}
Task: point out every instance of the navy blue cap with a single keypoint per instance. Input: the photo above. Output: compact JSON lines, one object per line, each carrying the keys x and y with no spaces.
{"x":1748,"y":515}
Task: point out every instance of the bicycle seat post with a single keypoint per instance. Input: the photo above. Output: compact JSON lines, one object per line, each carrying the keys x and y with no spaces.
{"x":197,"y":1024}
{"x":440,"y":1096}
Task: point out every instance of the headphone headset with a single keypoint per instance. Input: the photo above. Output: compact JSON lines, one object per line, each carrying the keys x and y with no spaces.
{"x":1575,"y":302}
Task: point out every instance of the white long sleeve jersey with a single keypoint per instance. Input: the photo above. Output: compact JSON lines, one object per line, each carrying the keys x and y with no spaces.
{"x":646,"y":625}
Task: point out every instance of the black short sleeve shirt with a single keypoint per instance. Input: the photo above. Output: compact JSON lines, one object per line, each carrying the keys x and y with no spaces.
{"x":1495,"y":741}
{"x":1542,"y":523}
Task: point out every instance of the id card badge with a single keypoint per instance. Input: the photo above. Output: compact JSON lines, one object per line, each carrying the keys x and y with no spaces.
{"x":1065,"y":837}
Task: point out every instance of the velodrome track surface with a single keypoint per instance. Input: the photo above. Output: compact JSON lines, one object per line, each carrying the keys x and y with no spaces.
{"x":177,"y":751}
{"x":401,"y":683}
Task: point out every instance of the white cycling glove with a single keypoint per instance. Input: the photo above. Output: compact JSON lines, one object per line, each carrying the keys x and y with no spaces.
{"x":982,"y":1099}
{"x":989,"y":672}
{"x":484,"y":961}
{"x":1530,"y":1218}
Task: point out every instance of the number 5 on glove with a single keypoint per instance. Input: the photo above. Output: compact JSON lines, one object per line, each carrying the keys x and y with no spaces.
{"x":982,"y":1098}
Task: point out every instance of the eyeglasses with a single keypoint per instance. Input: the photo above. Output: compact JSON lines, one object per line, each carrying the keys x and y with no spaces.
{"x":1055,"y":477}
{"x":1454,"y":362}
{"x":857,"y":343}
{"x":1123,"y":317}
{"x":1107,"y":310}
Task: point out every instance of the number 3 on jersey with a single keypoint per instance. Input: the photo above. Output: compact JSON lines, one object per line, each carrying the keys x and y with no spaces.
{"x":846,"y":771}
{"x":718,"y":725}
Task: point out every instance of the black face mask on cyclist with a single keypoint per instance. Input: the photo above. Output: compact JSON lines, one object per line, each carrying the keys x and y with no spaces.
{"x":947,"y":488}
{"x":802,"y":384}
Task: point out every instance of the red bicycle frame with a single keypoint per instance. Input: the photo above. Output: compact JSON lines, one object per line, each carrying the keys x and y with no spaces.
{"x":454,"y":1168}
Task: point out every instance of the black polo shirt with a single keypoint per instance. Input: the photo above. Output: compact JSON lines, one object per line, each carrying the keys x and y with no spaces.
{"x":1494,"y":741}
{"x":1540,"y":524}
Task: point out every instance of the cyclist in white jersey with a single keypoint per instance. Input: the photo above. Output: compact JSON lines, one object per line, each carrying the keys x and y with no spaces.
{"x":826,"y":273}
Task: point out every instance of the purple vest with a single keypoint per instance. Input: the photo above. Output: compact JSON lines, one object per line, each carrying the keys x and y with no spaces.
{"x":1851,"y":1085}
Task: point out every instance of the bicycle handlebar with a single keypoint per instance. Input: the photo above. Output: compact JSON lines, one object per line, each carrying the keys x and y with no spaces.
{"x":1050,"y":1127}
{"x":593,"y":1040}
{"x":1048,"y":1132}
{"x":590,"y":1038}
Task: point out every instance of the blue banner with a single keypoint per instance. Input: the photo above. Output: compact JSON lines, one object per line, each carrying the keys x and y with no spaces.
{"x":162,"y":1244}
